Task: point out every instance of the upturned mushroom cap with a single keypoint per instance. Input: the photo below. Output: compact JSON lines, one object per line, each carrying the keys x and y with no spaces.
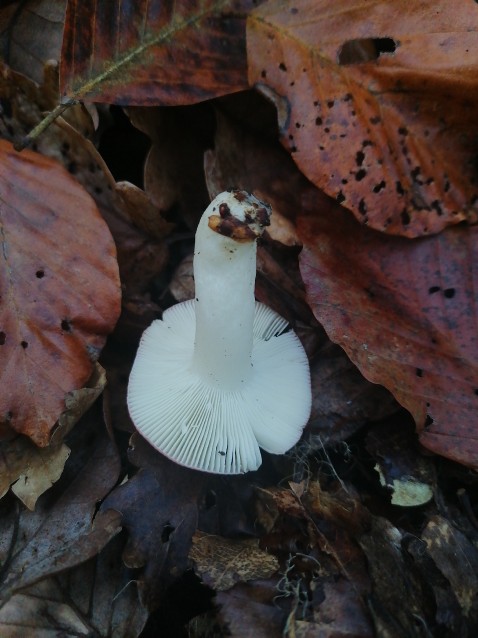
{"x":205,"y":428}
{"x":222,"y":375}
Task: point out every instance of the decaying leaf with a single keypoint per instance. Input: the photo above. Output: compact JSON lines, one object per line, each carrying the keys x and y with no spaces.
{"x":158,"y":508}
{"x":91,"y":599}
{"x":30,"y":470}
{"x":393,"y":137}
{"x":22,"y":46}
{"x":63,"y":531}
{"x":52,"y":326}
{"x":223,"y":562}
{"x":122,"y":53}
{"x":404,"y":312}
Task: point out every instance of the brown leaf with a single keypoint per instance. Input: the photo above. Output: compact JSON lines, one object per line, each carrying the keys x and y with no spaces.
{"x":223,"y":562}
{"x":93,"y":597}
{"x":30,"y":34}
{"x":404,"y":312}
{"x":60,"y":298}
{"x":64,"y":530}
{"x":142,"y":212}
{"x":393,"y":138}
{"x":161,"y":532}
{"x":457,"y":559}
{"x":123,"y":53}
{"x":30,"y":469}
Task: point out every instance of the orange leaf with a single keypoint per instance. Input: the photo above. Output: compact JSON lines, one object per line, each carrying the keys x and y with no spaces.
{"x":152,"y":52}
{"x":393,"y":137}
{"x":59,"y":290}
{"x":405,"y":311}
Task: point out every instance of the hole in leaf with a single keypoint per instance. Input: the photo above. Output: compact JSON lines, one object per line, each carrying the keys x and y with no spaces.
{"x":40,"y":274}
{"x":428,"y":421}
{"x":449,"y":293}
{"x":433,"y":289}
{"x":210,"y":499}
{"x":419,"y":372}
{"x":365,"y":49}
{"x":66,"y":325}
{"x":168,"y":529}
{"x":24,"y":344}
{"x":3,"y":337}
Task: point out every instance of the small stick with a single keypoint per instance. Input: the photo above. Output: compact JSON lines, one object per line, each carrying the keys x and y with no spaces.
{"x":44,"y":124}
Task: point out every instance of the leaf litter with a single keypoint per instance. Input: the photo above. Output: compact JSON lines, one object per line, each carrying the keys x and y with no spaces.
{"x":125,"y":543}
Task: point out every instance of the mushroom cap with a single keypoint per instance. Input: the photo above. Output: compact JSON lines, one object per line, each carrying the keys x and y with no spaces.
{"x":200,"y":426}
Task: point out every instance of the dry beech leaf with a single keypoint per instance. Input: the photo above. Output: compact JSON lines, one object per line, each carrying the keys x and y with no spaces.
{"x":92,"y":599}
{"x":59,"y":298}
{"x":223,"y":562}
{"x":30,"y":469}
{"x":404,"y":312}
{"x":393,"y":137}
{"x":121,"y":53}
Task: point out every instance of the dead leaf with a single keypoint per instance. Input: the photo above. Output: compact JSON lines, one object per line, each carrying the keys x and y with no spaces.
{"x":93,"y":597}
{"x":30,"y":34}
{"x":64,"y":530}
{"x":223,"y":562}
{"x":404,"y":313}
{"x":380,"y":136}
{"x":52,"y":327}
{"x":457,"y":559}
{"x":142,"y":211}
{"x":30,"y":470}
{"x":403,"y":470}
{"x":245,"y":611}
{"x":122,"y":54}
{"x":158,"y":507}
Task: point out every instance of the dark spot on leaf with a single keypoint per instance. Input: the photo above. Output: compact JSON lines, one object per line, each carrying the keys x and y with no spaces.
{"x":403,"y":130}
{"x":297,"y":125}
{"x":436,"y":206}
{"x":415,"y":173}
{"x":345,"y":181}
{"x":347,"y":97}
{"x":359,"y":158}
{"x":380,"y":186}
{"x":405,"y":217}
{"x":263,"y":73}
{"x":376,"y":119}
{"x":340,"y":197}
{"x":433,"y":289}
{"x":428,"y":421}
{"x":446,"y":187}
{"x":65,"y":325}
{"x":399,"y":188}
{"x":419,"y":372}
{"x":362,"y":207}
{"x":449,"y":293}
{"x":40,"y":273}
{"x":330,"y":103}
{"x":367,"y":143}
{"x":24,"y":344}
{"x":293,"y":149}
{"x":326,"y":129}
{"x":282,"y":67}
{"x":359,"y":175}
{"x":3,"y":337}
{"x":294,"y":10}
{"x":318,"y":121}
{"x":476,"y":392}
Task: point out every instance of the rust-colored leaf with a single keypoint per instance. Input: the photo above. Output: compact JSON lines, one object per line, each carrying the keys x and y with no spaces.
{"x":153,"y":52}
{"x":405,"y":312}
{"x":59,"y":290}
{"x":377,"y":104}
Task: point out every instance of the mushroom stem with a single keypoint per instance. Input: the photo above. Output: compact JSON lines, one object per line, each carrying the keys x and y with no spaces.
{"x":224,"y":276}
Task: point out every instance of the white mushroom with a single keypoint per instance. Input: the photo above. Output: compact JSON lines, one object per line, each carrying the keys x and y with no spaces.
{"x":221,"y":375}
